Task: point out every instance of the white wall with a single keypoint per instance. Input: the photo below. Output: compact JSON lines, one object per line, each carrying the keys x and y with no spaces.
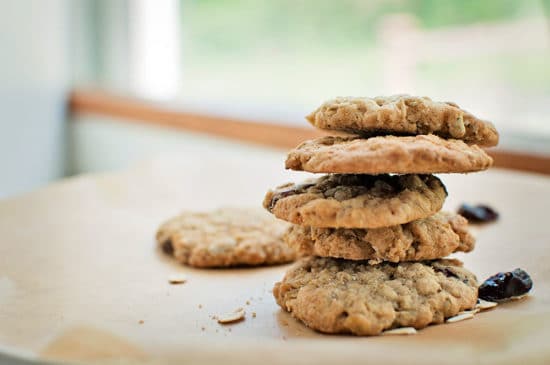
{"x":99,"y":143}
{"x":34,"y":79}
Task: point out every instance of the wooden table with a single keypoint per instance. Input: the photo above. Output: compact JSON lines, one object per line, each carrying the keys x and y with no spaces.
{"x":81,"y":279}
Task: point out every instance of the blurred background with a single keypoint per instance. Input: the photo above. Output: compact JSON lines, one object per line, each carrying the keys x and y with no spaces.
{"x":74,"y":73}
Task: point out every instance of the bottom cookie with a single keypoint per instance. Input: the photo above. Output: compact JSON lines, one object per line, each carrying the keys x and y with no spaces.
{"x":340,"y":296}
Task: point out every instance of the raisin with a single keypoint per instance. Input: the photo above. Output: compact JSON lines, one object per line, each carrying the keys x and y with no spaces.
{"x":167,"y":247}
{"x":288,"y":191}
{"x":505,"y":285}
{"x":478,"y":213}
{"x":447,"y":272}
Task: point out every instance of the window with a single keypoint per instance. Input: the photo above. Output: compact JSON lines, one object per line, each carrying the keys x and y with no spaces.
{"x":277,"y":60}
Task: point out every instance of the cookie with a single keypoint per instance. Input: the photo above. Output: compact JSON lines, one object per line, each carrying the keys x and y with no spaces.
{"x":427,"y":154}
{"x":225,"y":237}
{"x":403,"y":115}
{"x":357,"y":201}
{"x":424,"y":239}
{"x":341,"y":296}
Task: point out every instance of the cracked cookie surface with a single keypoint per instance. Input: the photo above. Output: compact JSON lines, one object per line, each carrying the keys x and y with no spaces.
{"x":225,"y":237}
{"x":342,"y":296}
{"x":403,"y":114}
{"x":357,"y":201}
{"x":424,"y":154}
{"x":424,"y":239}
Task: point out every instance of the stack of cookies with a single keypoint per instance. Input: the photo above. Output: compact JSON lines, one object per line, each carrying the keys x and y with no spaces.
{"x":370,"y":228}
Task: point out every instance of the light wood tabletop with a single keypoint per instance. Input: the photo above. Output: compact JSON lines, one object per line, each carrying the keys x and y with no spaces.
{"x":81,"y":278}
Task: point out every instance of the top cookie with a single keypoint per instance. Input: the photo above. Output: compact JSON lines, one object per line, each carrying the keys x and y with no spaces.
{"x":404,"y":115}
{"x":428,"y":154}
{"x":225,"y":237}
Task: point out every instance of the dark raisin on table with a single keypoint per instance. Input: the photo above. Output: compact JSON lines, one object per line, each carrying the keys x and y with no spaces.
{"x":505,"y":285}
{"x":478,"y":213}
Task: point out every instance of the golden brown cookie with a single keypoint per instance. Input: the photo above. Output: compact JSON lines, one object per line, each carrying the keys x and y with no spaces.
{"x":403,"y":115}
{"x":425,"y":154}
{"x":357,"y":201}
{"x":424,"y":239}
{"x":225,"y":237}
{"x":342,"y":296}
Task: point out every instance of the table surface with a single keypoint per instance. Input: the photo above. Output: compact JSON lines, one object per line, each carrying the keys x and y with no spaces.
{"x":79,"y":271}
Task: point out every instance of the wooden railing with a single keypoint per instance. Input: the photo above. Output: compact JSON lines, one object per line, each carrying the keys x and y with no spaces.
{"x":264,"y":133}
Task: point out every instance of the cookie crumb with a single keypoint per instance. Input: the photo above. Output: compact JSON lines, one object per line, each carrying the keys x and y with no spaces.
{"x":460,"y":317}
{"x":400,"y":331}
{"x":248,"y":302}
{"x":200,"y":306}
{"x":484,"y":305}
{"x":253,"y":314}
{"x":177,"y":279}
{"x":235,"y":316}
{"x":202,"y":328}
{"x":141,"y":321}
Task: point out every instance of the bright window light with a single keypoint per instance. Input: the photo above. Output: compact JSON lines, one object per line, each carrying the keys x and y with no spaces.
{"x":155,"y":48}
